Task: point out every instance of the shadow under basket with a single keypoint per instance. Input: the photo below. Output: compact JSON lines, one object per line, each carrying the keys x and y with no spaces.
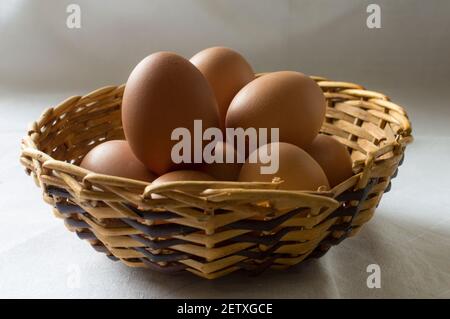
{"x":231,"y":225}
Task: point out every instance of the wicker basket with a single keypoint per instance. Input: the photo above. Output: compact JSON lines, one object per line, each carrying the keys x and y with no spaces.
{"x":231,"y":225}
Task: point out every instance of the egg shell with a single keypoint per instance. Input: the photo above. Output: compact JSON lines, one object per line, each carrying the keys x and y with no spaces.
{"x":224,"y":171}
{"x":290,"y":101}
{"x":182,"y":175}
{"x":333,"y":157}
{"x":227,"y":72}
{"x":164,"y":92}
{"x":116,"y":158}
{"x":297,"y":169}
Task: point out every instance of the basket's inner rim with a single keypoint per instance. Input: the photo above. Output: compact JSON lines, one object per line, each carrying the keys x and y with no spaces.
{"x":75,"y":132}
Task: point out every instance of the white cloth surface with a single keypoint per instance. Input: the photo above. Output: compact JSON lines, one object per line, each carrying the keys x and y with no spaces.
{"x":409,"y":236}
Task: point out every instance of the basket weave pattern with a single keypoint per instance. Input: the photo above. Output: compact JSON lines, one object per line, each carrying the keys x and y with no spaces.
{"x":230,"y":225}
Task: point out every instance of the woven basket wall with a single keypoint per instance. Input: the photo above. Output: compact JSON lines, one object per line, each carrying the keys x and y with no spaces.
{"x":229,"y":226}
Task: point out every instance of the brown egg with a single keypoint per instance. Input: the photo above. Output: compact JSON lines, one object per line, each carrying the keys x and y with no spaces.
{"x":224,"y":171}
{"x":226,"y":71}
{"x":333,"y":157}
{"x":287,"y":100}
{"x":164,"y":92}
{"x":116,"y":158}
{"x":297,"y":169}
{"x":182,"y":175}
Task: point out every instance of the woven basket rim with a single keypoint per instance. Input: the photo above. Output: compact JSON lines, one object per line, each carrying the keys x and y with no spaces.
{"x":29,"y":148}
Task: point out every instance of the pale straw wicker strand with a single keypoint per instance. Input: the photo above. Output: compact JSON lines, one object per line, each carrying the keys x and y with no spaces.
{"x":230,"y":225}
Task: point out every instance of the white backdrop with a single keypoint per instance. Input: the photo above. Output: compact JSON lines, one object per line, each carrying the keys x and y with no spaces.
{"x":324,"y":37}
{"x":42,"y":62}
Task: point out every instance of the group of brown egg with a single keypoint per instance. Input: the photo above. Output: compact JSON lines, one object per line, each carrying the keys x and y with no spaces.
{"x":218,"y":86}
